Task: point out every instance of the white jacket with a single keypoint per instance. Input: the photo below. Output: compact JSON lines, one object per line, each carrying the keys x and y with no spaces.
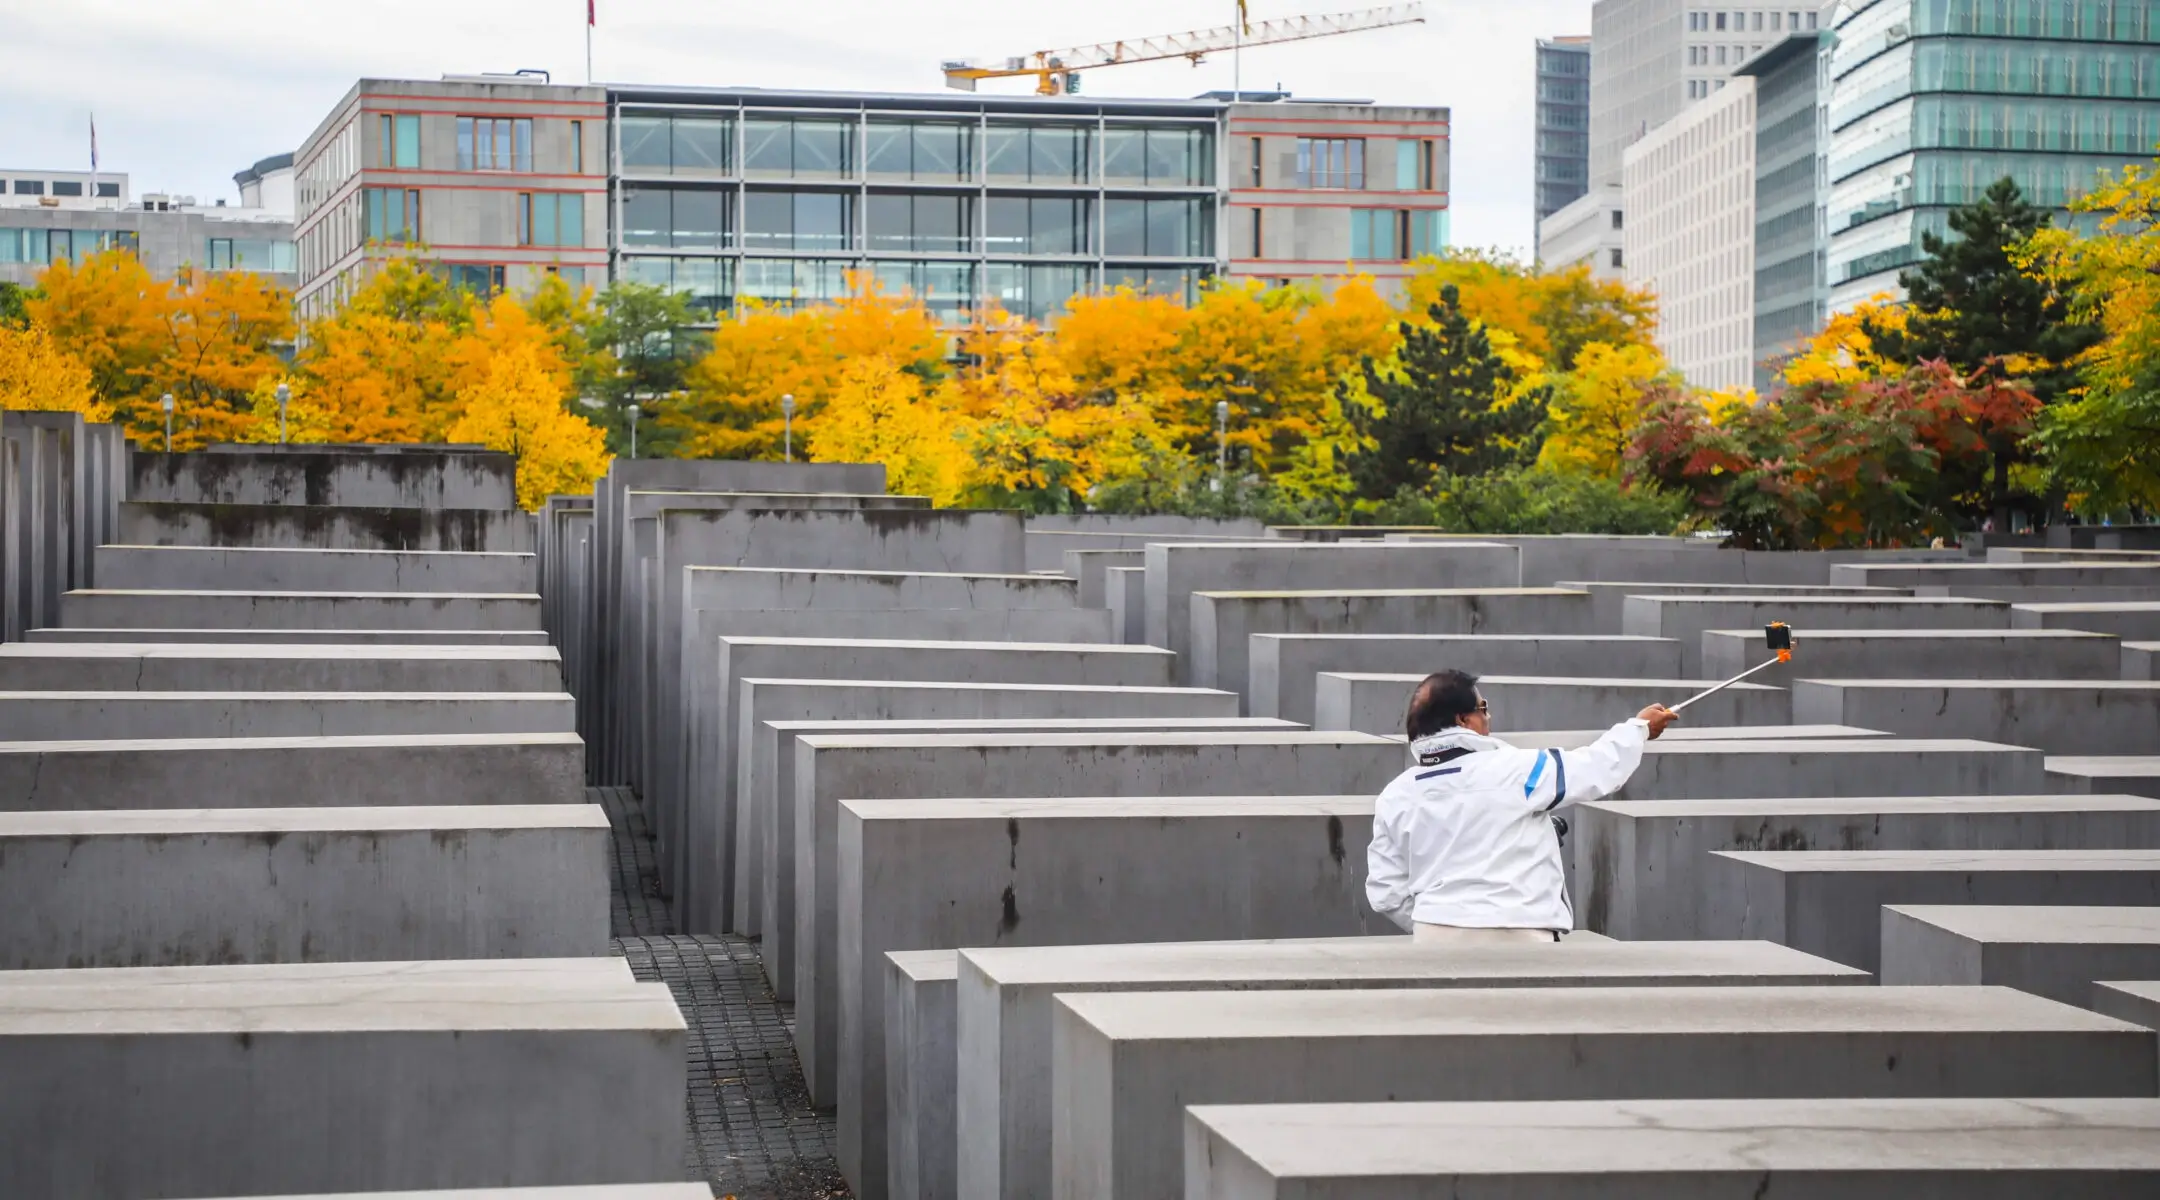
{"x":1466,"y":836}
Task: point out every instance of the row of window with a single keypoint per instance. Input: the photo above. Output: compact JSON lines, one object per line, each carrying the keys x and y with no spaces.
{"x":951,"y":290}
{"x":106,"y":189}
{"x":929,"y":223}
{"x":543,"y":218}
{"x":1981,"y":123}
{"x":1756,"y":21}
{"x":1733,"y":56}
{"x":74,"y":245}
{"x":1697,"y":89}
{"x":483,"y":143}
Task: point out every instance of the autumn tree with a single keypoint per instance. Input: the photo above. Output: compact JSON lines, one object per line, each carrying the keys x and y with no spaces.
{"x":108,"y":314}
{"x":1551,"y":314}
{"x":642,"y":348}
{"x":37,"y":375}
{"x":882,"y":413}
{"x":14,"y":305}
{"x":1595,"y":409}
{"x":515,"y":403}
{"x":221,"y":333}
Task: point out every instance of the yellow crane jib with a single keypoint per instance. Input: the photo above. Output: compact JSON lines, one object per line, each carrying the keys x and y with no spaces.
{"x":1056,"y":71}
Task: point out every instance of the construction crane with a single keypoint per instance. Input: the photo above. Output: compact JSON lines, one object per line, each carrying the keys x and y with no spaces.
{"x":1058,"y":71}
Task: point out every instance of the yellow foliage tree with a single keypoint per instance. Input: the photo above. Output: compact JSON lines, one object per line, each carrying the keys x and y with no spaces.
{"x":308,"y":420}
{"x":106,"y":313}
{"x":1552,"y":314}
{"x":1596,"y":408}
{"x":882,"y":413}
{"x":1844,"y":351}
{"x":516,"y":404}
{"x":38,"y":376}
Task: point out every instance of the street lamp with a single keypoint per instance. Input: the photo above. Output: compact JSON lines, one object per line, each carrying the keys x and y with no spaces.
{"x":634,"y":410}
{"x":284,"y":394}
{"x":166,"y":404}
{"x":787,"y":428}
{"x":1222,"y":441}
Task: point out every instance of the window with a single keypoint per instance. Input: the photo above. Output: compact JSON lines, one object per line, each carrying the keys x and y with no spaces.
{"x":1721,"y":20}
{"x":1755,"y":22}
{"x":798,"y":221}
{"x":574,"y":276}
{"x":1721,"y":56}
{"x":400,"y":137}
{"x":1173,"y":156}
{"x":1414,"y":163}
{"x":391,"y":214}
{"x":930,"y":151}
{"x":1811,"y":20}
{"x":798,"y":149}
{"x":1331,"y":163}
{"x":681,"y":218}
{"x":1038,"y":225}
{"x":1256,"y":162}
{"x":483,"y":279}
{"x":494,"y":143}
{"x":1181,"y":284}
{"x":947,"y":289}
{"x":787,"y":282}
{"x":577,"y":153}
{"x":29,"y":187}
{"x":108,"y":191}
{"x":551,"y":219}
{"x":919,"y":224}
{"x":1777,"y":21}
{"x":1616,"y":258}
{"x":1040,"y":154}
{"x":662,"y":145}
{"x":1257,"y":240}
{"x":709,"y":283}
{"x":1374,"y":233}
{"x":1156,"y":228}
{"x":67,"y":187}
{"x":251,"y":254}
{"x":1619,"y":221}
{"x":1036,"y":291}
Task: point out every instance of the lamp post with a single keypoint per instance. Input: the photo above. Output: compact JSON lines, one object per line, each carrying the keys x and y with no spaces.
{"x":634,"y":411}
{"x":1222,"y":442}
{"x":166,"y":404}
{"x":787,"y":428}
{"x":284,"y":395}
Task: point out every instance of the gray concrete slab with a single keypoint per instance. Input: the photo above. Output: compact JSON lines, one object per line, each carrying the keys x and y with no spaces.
{"x":1688,"y":617}
{"x":1125,"y":595}
{"x":765,"y":775}
{"x":184,"y":667}
{"x":270,"y":569}
{"x":1222,"y":623}
{"x":180,"y":887}
{"x":1917,"y":654}
{"x":942,"y":874}
{"x":703,"y":825}
{"x":1680,"y":769}
{"x":2057,"y":952}
{"x":1005,"y":1002}
{"x":1641,"y":867}
{"x":1954,"y":578}
{"x":920,"y":1008}
{"x":1086,"y":567}
{"x":1283,"y":666}
{"x":2141,"y":660}
{"x":605,"y":1191}
{"x":831,"y":769}
{"x":2085,"y":775}
{"x":2083,"y":716}
{"x":105,"y":609}
{"x":64,"y":716}
{"x":1677,"y":1149}
{"x":2135,"y":1001}
{"x":2040,"y":554}
{"x":1829,"y":902}
{"x":1608,"y":597}
{"x":320,"y":527}
{"x":302,"y":637}
{"x":1176,"y":571}
{"x":282,"y":772}
{"x":406,"y":477}
{"x":2130,"y":620}
{"x":1376,"y":703}
{"x":243,"y":1081}
{"x":1047,"y":547}
{"x":1125,"y":1065}
{"x":1576,"y":739}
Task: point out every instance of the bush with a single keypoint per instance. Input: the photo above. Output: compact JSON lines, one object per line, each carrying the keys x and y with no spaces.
{"x":1536,"y":501}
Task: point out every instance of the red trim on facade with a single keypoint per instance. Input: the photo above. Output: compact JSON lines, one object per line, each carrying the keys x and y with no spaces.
{"x":1256,"y":124}
{"x":386,"y":102}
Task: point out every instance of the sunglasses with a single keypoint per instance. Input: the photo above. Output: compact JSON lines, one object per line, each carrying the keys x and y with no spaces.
{"x":1484,"y":708}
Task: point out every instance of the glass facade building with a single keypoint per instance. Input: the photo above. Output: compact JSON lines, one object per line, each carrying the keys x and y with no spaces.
{"x":1933,"y":100}
{"x":1791,"y":121}
{"x":1563,"y":123}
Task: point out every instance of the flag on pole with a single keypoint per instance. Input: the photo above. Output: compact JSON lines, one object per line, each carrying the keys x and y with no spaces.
{"x":592,"y":15}
{"x":93,"y":143}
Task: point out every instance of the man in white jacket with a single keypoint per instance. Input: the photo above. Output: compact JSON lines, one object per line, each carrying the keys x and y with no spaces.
{"x":1463,"y":846}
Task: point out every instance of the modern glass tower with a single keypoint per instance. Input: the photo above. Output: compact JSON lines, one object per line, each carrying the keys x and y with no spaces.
{"x":1563,"y":122}
{"x":1789,"y":144}
{"x":1933,"y":100}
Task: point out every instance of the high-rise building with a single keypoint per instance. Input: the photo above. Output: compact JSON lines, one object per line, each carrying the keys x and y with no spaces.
{"x":1791,"y":163}
{"x":1591,"y":232}
{"x":1934,"y":100}
{"x":1690,"y":199}
{"x":1563,"y":123}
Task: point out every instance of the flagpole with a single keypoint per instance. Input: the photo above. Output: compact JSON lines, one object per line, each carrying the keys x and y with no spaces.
{"x":591,"y":18}
{"x":1237,"y":55}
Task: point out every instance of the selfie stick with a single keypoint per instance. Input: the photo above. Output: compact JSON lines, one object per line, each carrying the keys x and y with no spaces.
{"x":1778,"y":636}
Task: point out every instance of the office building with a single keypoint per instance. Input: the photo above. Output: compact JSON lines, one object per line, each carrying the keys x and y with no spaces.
{"x":1689,"y":190}
{"x":73,"y":216}
{"x":1934,"y":100}
{"x":1563,"y":124}
{"x":1590,"y":232}
{"x":1791,"y":178}
{"x":71,"y":190}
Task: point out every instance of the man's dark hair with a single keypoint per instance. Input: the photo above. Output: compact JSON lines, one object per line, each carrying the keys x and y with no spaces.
{"x":1439,"y":702}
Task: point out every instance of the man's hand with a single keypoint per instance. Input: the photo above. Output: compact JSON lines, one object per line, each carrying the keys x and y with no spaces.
{"x":1657,"y":716}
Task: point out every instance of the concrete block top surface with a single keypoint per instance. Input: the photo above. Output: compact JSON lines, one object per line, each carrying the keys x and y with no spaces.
{"x":1994,"y":685}
{"x":2147,"y":990}
{"x":1494,"y":1012}
{"x":1096,"y":808}
{"x":1257,"y":963}
{"x":2073,"y":607}
{"x":1830,"y":745}
{"x":339,"y":1006}
{"x":1678,"y":685}
{"x":332,"y":554}
{"x":926,"y":966}
{"x":1025,"y":724}
{"x":545,"y":974}
{"x":1865,"y":805}
{"x":330,"y":742}
{"x":1575,"y":739}
{"x":292,"y":697}
{"x":1803,"y":862}
{"x":919,"y":644}
{"x":1919,"y":635}
{"x":986,"y":741}
{"x":345,"y":652}
{"x":1649,"y":587}
{"x":967,"y":685}
{"x":1445,"y":640}
{"x":1361,"y":593}
{"x":698,"y":572}
{"x":416,"y":597}
{"x":594,"y":1191}
{"x":1677,"y":1138}
{"x":1802,"y":601}
{"x":2040,"y":924}
{"x":171,"y":822}
{"x":2107,"y":766}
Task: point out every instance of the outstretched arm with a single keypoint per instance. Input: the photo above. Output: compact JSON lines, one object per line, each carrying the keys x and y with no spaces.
{"x":1564,"y":777}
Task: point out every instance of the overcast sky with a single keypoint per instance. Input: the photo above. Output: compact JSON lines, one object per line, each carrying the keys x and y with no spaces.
{"x":186,"y":92}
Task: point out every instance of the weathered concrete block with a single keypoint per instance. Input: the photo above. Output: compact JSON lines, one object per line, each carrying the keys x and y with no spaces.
{"x":246,"y":1081}
{"x":2085,"y":775}
{"x":1608,"y":598}
{"x":282,"y":772}
{"x":2135,"y":1001}
{"x":2130,"y":620}
{"x":1955,"y":578}
{"x":1378,"y":703}
{"x":1047,"y":546}
{"x":1125,"y":1065}
{"x":1917,"y":654}
{"x":270,"y":569}
{"x":2141,"y":660}
{"x":1086,"y":567}
{"x":1223,"y":623}
{"x":183,"y":667}
{"x":299,"y":610}
{"x":941,"y":874}
{"x":830,"y":769}
{"x":1284,"y":666}
{"x":65,"y":716}
{"x":1829,"y":902}
{"x":1005,"y":1000}
{"x":201,"y":886}
{"x":1677,"y":1149}
{"x":324,"y":527}
{"x":302,"y":637}
{"x":2085,"y":716}
{"x":1641,"y":866}
{"x":1688,"y":617}
{"x":411,"y":477}
{"x":2057,"y":952}
{"x":1680,"y":769}
{"x":1175,"y":571}
{"x":1125,"y":594}
{"x":920,"y":1009}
